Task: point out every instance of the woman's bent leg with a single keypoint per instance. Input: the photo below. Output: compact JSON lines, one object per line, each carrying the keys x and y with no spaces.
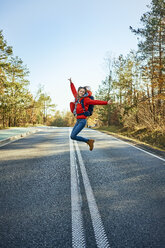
{"x":76,"y":124}
{"x":80,"y":124}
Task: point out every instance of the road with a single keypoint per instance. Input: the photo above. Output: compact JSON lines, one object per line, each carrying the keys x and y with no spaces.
{"x":57,"y":193}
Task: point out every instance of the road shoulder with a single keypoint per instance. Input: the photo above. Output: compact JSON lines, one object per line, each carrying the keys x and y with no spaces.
{"x":12,"y":137}
{"x":136,"y":143}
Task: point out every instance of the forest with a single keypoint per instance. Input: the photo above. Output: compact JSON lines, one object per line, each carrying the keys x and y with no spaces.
{"x":18,"y":107}
{"x":136,"y":82}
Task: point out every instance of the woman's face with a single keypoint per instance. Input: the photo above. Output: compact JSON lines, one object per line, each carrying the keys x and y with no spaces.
{"x":81,"y":92}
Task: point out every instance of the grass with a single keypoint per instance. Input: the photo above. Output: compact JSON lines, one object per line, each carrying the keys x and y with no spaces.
{"x":1,"y":127}
{"x":154,"y":138}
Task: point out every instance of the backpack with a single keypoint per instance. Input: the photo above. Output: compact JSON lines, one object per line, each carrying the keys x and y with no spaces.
{"x":89,"y":112}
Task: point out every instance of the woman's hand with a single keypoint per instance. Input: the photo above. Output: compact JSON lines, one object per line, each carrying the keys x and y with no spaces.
{"x":70,"y":80}
{"x":109,"y":102}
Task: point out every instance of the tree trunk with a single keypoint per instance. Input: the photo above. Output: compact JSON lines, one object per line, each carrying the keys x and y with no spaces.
{"x":160,"y":81}
{"x":9,"y":121}
{"x":152,"y":86}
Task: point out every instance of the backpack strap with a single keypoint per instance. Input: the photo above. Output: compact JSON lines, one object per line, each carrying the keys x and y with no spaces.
{"x":82,"y":104}
{"x":86,"y":113}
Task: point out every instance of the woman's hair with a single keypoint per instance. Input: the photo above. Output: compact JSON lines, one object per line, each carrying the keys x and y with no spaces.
{"x":79,"y":88}
{"x":86,"y":88}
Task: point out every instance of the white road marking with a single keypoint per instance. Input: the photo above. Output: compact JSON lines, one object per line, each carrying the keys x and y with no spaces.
{"x":78,"y":238}
{"x":7,"y":143}
{"x":100,"y":235}
{"x":141,"y":149}
{"x":135,"y":147}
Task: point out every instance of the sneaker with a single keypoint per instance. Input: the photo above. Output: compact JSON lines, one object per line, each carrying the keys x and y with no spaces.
{"x":90,"y":143}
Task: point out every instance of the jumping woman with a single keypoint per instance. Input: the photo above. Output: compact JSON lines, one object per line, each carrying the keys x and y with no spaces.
{"x":80,"y":110}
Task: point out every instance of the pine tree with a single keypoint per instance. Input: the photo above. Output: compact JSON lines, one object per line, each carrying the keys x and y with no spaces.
{"x":5,"y":52}
{"x":152,"y":51}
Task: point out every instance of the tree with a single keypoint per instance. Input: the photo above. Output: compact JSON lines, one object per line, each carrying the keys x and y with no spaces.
{"x":105,"y":92}
{"x":5,"y":52}
{"x":42,"y":106}
{"x":17,"y":94}
{"x":152,"y":53}
{"x":17,"y":104}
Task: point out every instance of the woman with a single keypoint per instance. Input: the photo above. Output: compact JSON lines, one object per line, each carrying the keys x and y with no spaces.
{"x":81,"y":112}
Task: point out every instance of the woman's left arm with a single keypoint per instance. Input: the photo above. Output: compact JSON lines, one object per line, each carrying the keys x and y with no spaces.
{"x":96,"y":102}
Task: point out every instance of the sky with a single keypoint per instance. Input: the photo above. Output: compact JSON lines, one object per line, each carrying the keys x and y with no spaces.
{"x":59,"y":39}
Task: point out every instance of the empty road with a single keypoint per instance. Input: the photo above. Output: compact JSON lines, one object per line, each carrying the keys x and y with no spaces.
{"x":56,"y":193}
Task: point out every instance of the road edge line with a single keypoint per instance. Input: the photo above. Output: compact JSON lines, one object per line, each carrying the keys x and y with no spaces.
{"x":138,"y":148}
{"x":156,"y":156}
{"x":16,"y":137}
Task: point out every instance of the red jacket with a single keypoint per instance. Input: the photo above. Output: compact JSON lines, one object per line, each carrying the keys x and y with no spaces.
{"x":87,"y":102}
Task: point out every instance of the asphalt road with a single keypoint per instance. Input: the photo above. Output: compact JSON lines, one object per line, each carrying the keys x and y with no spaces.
{"x":56,"y":193}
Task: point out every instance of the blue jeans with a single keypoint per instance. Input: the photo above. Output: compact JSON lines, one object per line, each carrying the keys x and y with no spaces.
{"x":80,"y":124}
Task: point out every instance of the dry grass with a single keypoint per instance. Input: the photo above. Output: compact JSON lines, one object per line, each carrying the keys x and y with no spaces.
{"x":154,"y":137}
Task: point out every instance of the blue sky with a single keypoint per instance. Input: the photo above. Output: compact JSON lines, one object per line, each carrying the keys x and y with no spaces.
{"x":58,"y":39}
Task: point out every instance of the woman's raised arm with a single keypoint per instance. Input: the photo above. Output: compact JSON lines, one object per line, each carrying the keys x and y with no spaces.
{"x":73,"y":89}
